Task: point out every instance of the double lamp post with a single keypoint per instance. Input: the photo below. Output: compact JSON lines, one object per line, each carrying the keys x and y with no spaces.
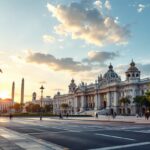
{"x":41,"y":110}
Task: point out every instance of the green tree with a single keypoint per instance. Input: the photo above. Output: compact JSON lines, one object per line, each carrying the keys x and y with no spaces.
{"x":139,"y":101}
{"x":36,"y":108}
{"x":125,"y":101}
{"x":64,"y":107}
{"x":48,"y":108}
{"x":17,"y":107}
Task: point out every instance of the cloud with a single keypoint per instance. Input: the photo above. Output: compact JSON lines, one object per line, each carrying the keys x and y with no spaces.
{"x":48,"y":38}
{"x":107,"y":5}
{"x":98,"y":4}
{"x":100,"y":57}
{"x":86,"y":22}
{"x":140,"y":8}
{"x":57,"y":64}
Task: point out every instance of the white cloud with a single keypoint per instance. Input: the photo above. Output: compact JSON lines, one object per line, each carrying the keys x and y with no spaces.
{"x":107,"y":5}
{"x":88,"y":23}
{"x":140,"y":8}
{"x":48,"y":38}
{"x":98,"y":4}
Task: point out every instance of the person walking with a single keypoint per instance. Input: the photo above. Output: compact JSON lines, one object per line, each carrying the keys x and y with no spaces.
{"x":10,"y":116}
{"x":96,"y":115}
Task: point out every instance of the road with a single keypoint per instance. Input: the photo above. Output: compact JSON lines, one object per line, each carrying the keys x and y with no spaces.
{"x":31,"y":133}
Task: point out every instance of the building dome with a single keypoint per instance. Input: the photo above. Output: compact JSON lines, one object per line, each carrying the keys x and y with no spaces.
{"x":133,"y":72}
{"x":132,"y":67}
{"x":111,"y":75}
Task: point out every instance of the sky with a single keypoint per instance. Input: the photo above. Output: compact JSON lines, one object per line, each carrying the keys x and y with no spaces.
{"x":50,"y":42}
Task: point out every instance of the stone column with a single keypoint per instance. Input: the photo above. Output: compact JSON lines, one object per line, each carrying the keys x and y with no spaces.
{"x":75,"y":105}
{"x":115,"y":101}
{"x":97,"y":101}
{"x":108,"y":100}
{"x":82,"y":103}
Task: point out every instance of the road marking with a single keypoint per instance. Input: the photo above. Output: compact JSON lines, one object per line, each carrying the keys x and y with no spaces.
{"x":118,"y":137}
{"x":123,"y":146}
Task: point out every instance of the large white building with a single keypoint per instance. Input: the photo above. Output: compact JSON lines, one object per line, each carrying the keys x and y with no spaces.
{"x":104,"y":94}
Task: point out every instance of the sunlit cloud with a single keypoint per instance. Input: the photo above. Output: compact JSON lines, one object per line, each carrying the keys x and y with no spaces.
{"x":101,"y":57}
{"x":88,"y":23}
{"x":57,"y":64}
{"x":48,"y":38}
{"x":107,"y":5}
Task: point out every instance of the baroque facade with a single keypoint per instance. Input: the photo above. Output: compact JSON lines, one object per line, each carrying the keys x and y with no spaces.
{"x":103,"y":96}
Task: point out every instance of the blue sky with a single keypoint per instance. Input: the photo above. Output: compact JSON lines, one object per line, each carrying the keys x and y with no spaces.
{"x":31,"y":48}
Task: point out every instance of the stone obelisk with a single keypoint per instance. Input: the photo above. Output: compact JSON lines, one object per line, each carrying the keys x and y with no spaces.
{"x":13,"y":92}
{"x":22,"y":94}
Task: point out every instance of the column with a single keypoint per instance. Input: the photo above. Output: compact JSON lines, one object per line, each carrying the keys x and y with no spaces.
{"x":97,"y":101}
{"x":115,"y":101}
{"x":108,"y":100}
{"x":82,"y":103}
{"x":75,"y":105}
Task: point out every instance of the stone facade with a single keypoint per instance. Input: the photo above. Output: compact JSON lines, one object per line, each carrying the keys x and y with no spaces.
{"x":103,"y":96}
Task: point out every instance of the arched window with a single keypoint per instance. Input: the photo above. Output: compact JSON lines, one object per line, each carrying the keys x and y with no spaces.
{"x":133,"y":75}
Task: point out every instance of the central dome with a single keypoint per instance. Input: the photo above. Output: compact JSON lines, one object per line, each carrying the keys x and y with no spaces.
{"x":111,"y":75}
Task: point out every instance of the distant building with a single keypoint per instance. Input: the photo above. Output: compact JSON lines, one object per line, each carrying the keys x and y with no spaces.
{"x":5,"y":105}
{"x":45,"y":100}
{"x":103,"y":96}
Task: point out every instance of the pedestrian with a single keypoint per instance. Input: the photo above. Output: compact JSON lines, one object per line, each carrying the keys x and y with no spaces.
{"x":60,"y":116}
{"x":147,"y":114}
{"x":96,"y":115}
{"x":10,"y":116}
{"x":67,"y":115}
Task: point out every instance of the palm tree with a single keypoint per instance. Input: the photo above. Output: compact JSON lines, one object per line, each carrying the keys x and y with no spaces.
{"x":139,"y":100}
{"x":125,"y":101}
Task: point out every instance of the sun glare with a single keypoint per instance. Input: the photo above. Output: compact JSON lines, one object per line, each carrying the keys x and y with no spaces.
{"x":4,"y":94}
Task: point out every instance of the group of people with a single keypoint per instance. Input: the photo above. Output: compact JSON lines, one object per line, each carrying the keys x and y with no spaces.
{"x":61,"y":116}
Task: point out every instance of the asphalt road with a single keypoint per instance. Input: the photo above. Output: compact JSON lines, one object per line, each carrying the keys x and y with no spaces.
{"x":83,"y":135}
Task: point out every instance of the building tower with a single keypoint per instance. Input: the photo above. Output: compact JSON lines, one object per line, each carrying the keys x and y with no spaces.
{"x":13,"y":92}
{"x":72,"y":86}
{"x":22,"y":93}
{"x":34,"y":96}
{"x":132,"y":73}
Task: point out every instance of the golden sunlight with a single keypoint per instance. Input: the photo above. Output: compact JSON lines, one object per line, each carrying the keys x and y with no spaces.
{"x":4,"y":94}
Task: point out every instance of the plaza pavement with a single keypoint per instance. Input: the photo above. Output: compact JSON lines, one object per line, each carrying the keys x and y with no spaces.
{"x":77,"y":133}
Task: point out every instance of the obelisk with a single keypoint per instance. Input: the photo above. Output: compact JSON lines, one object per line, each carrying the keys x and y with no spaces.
{"x":13,"y":92}
{"x":22,"y":93}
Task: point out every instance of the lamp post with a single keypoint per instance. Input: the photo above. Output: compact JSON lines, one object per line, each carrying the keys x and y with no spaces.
{"x":41,"y":88}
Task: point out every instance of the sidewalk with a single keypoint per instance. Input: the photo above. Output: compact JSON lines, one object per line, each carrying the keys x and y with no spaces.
{"x":11,"y":140}
{"x":126,"y":119}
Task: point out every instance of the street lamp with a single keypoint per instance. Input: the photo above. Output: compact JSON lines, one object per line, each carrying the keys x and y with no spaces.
{"x":41,"y":88}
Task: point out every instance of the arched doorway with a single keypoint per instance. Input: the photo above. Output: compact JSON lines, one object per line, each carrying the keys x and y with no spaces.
{"x":128,"y":111}
{"x":105,"y":104}
{"x":119,"y":111}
